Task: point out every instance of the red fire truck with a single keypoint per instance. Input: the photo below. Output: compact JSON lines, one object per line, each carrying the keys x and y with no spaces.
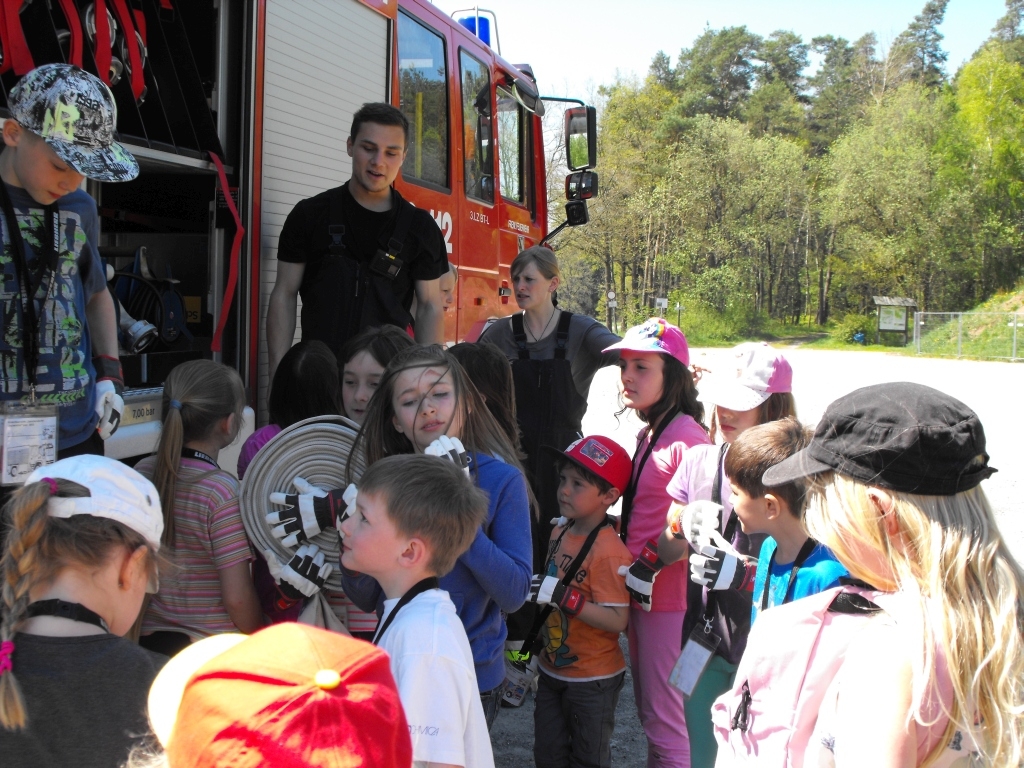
{"x":266,"y":89}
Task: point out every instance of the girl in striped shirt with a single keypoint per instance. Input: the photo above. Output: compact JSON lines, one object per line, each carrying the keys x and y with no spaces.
{"x":211,"y":589}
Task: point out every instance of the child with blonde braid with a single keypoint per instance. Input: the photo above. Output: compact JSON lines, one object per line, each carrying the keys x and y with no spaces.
{"x":83,"y":537}
{"x":211,"y":590}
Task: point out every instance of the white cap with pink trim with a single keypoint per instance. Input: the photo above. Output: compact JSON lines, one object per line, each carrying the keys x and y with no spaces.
{"x":758,"y":372}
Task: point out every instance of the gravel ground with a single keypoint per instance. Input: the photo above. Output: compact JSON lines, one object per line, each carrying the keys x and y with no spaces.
{"x":994,"y":390}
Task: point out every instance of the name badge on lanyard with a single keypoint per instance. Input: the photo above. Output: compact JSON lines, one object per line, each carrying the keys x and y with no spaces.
{"x":29,"y":427}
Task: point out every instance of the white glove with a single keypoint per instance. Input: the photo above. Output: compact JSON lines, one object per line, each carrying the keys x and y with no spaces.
{"x":719,"y":567}
{"x":108,"y":406}
{"x":694,"y":521}
{"x":305,"y":574}
{"x":450,"y":448}
{"x":308,"y":512}
{"x":559,"y":522}
{"x":349,"y":498}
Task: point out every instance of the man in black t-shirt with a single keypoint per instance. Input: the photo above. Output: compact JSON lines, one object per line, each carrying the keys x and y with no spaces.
{"x":339,"y":250}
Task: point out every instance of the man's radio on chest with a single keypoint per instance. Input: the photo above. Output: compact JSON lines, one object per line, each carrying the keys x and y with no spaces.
{"x":385,"y":264}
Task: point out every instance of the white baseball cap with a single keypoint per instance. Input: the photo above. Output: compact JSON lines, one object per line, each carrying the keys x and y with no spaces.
{"x":756,"y":372}
{"x":116,"y":491}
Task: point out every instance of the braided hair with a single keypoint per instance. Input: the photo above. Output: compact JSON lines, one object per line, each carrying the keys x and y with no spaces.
{"x":37,"y":548}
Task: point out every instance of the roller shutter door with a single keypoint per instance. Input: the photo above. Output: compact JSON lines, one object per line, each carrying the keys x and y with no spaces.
{"x":324,"y":59}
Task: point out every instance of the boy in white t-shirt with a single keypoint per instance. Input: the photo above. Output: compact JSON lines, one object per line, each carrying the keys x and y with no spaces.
{"x":415,"y":514}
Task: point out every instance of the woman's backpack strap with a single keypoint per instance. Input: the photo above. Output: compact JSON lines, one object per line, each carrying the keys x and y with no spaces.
{"x":562,"y":335}
{"x":519,"y":335}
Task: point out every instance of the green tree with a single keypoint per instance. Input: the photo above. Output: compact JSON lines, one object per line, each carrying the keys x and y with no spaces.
{"x":921,"y":45}
{"x":716,"y":75}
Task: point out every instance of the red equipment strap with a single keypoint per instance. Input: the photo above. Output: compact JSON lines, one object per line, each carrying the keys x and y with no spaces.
{"x":15,"y":45}
{"x":236,"y":248}
{"x":75,"y":28}
{"x":127,"y":22}
{"x":101,"y":41}
{"x":140,"y":24}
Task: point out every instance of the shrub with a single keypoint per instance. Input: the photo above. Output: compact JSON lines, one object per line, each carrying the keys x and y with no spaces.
{"x":851,"y":324}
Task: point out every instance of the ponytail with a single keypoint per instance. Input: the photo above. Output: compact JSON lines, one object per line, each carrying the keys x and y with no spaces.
{"x":197,"y":395}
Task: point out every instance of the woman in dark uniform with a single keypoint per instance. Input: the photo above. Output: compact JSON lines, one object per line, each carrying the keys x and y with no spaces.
{"x":554,"y":356}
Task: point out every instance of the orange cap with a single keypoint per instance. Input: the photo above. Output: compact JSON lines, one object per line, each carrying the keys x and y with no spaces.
{"x":289,"y":696}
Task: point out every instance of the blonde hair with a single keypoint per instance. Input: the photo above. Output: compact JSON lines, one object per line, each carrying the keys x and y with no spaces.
{"x":950,"y":553}
{"x":203,"y":392}
{"x":544,"y":258}
{"x":37,"y":548}
{"x":480,"y":432}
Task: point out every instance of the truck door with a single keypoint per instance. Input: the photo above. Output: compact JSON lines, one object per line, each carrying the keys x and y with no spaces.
{"x":477,"y":226}
{"x":322,"y":62}
{"x":424,"y":98}
{"x":517,"y":206}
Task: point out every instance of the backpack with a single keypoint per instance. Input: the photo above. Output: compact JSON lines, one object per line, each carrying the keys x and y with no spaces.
{"x":793,"y":653}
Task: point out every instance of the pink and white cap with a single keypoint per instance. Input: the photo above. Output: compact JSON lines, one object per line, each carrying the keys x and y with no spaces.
{"x":656,"y":335}
{"x":116,"y":491}
{"x":758,"y":371}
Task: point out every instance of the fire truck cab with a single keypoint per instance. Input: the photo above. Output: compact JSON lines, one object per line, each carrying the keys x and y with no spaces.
{"x":266,"y":90}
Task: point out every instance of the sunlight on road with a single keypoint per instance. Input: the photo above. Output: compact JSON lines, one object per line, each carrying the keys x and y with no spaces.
{"x":994,"y":390}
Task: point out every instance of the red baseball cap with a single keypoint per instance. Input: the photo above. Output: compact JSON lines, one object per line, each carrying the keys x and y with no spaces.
{"x":288,"y":696}
{"x":602,"y":456}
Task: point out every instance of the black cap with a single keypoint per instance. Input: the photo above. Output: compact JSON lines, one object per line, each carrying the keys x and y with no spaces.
{"x":899,"y":436}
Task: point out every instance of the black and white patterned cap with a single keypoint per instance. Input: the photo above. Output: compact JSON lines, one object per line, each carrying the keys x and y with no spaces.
{"x":75,"y":114}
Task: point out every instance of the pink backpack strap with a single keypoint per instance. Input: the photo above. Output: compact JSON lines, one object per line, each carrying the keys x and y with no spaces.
{"x":793,"y":653}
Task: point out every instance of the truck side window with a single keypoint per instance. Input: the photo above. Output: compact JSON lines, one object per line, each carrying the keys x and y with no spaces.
{"x":423,"y":92}
{"x":511,"y":147}
{"x":476,"y":128}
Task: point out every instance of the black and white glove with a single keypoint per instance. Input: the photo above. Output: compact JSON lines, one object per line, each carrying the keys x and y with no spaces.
{"x":450,"y":448}
{"x":308,"y":512}
{"x":550,"y":589}
{"x":694,"y":521}
{"x":107,"y":400}
{"x":302,"y":576}
{"x":717,"y":565}
{"x":641,"y":574}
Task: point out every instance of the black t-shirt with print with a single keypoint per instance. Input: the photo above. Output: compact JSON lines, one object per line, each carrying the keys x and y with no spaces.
{"x":337,"y":302}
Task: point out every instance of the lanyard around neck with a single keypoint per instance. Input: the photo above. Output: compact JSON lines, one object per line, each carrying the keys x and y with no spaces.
{"x":638,"y":470}
{"x":65,"y":610}
{"x":27,"y":288}
{"x":801,"y":558}
{"x":430,"y":582}
{"x":192,"y":453}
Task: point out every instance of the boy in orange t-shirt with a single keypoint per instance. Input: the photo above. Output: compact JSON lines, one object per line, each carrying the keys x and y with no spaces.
{"x":581,"y":665}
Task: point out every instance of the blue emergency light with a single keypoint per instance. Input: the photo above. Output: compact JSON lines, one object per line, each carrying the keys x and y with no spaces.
{"x":484,"y":31}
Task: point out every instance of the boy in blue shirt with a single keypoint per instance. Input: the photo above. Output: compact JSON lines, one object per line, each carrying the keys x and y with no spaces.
{"x":791,"y":564}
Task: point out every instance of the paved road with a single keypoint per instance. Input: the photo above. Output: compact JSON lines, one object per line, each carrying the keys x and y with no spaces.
{"x":994,"y":390}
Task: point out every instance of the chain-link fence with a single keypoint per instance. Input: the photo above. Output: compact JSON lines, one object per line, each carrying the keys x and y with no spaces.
{"x":998,"y":335}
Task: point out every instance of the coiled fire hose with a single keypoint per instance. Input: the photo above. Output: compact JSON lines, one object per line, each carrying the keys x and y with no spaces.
{"x":316,"y":449}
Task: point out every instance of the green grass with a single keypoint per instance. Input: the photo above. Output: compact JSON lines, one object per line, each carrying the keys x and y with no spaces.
{"x":983,"y":336}
{"x":987,"y":334}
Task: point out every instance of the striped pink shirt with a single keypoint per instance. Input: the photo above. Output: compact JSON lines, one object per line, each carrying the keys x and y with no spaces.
{"x":208,"y":537}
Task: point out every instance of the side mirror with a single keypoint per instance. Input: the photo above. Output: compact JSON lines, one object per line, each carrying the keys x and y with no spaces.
{"x":581,"y":138}
{"x":581,"y":185}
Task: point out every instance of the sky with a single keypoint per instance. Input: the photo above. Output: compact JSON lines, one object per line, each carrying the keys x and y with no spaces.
{"x":576,"y":45}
